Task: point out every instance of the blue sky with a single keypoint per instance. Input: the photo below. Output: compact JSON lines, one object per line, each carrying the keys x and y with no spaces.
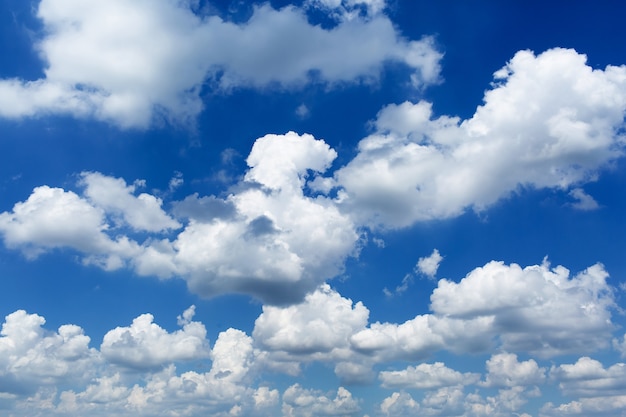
{"x":320,"y":208}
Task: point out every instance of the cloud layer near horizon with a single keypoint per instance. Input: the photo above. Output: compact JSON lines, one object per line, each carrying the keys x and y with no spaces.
{"x":135,"y":367}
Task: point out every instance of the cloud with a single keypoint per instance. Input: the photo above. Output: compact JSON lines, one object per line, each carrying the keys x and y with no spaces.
{"x":54,"y":218}
{"x":588,"y":378}
{"x":144,"y":344}
{"x":59,"y":374}
{"x":536,"y":310}
{"x":506,"y":371}
{"x":294,"y":232}
{"x":317,"y":329}
{"x":348,"y":9}
{"x":584,"y":201}
{"x":301,"y":402}
{"x":426,"y":376}
{"x":31,"y":357}
{"x":596,"y":406}
{"x":549,"y":121}
{"x":421,"y":336}
{"x":321,"y":323}
{"x":429,"y":265}
{"x":291,"y":242}
{"x":116,"y":198}
{"x":129,"y":62}
{"x":400,"y":404}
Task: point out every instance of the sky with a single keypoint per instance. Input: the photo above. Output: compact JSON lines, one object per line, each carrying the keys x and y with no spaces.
{"x":314,"y":208}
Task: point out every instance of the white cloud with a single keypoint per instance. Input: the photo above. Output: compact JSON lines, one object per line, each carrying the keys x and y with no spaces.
{"x":115,"y":197}
{"x":31,"y":357}
{"x":429,"y":265}
{"x":588,"y":378}
{"x":144,"y":344}
{"x":504,"y":370}
{"x":596,"y":406}
{"x":400,"y":404}
{"x":420,"y":337}
{"x":535,"y":309}
{"x":506,"y":403}
{"x":550,"y":121}
{"x":54,"y":218}
{"x":583,"y":201}
{"x":291,"y":242}
{"x":321,"y":323}
{"x":426,"y":376}
{"x":301,"y":402}
{"x":131,"y":61}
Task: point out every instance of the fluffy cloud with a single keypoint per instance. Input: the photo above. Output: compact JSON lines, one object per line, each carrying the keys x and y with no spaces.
{"x":400,"y":404}
{"x":144,"y":344}
{"x":588,"y":378}
{"x":317,"y":329}
{"x":422,"y":336}
{"x":301,"y":402}
{"x":31,"y":361}
{"x":129,"y":61}
{"x":321,"y":323}
{"x":596,"y":406}
{"x":535,"y":309}
{"x":550,"y":121}
{"x":113,"y":195}
{"x":31,"y":357}
{"x":504,"y":370}
{"x":429,"y":265}
{"x":54,"y":218}
{"x":426,"y":376}
{"x":291,"y":242}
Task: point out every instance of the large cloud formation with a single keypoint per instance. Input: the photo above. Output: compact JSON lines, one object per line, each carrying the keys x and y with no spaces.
{"x":295,"y":227}
{"x":549,"y":121}
{"x":136,"y":369}
{"x":291,"y":241}
{"x":128,"y":61}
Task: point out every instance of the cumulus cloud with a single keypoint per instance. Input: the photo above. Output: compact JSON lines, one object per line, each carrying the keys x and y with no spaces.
{"x":31,"y":357}
{"x":58,"y":374}
{"x":321,"y":323}
{"x":116,"y":198}
{"x":54,"y":218}
{"x":426,"y":376}
{"x":429,"y":265}
{"x":596,"y":406}
{"x":291,"y":242}
{"x":589,"y":378}
{"x":128,"y":62}
{"x":301,"y":402}
{"x":422,"y":336}
{"x":535,"y":309}
{"x":400,"y":404}
{"x":504,"y":370}
{"x":549,"y":121}
{"x":144,"y":344}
